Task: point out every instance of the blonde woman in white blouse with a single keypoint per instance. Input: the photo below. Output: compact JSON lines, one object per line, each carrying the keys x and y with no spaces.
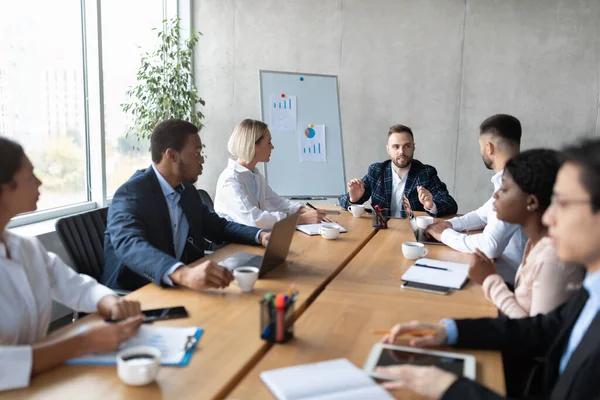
{"x":31,"y":277}
{"x":243,"y":195}
{"x":543,"y":282}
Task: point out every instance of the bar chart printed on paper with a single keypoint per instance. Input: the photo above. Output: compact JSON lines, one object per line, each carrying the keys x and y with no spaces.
{"x":312,"y":144}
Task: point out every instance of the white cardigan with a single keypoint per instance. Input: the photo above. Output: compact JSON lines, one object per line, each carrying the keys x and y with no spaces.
{"x":243,"y":196}
{"x":29,"y":281}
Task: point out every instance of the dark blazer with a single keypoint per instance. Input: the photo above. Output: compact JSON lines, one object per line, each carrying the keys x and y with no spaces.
{"x":138,"y":244}
{"x":378,"y":186}
{"x":543,"y":336}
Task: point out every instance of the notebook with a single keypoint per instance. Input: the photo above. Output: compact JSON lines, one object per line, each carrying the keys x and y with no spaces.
{"x":313,"y":229}
{"x":439,"y":273}
{"x":328,"y":380}
{"x":176,"y":345}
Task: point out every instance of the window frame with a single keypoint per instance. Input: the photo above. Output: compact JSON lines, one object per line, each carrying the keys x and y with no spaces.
{"x":94,"y":117}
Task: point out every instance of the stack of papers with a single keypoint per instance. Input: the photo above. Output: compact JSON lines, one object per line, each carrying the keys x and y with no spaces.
{"x":313,"y":229}
{"x":439,"y":273}
{"x":329,"y":380}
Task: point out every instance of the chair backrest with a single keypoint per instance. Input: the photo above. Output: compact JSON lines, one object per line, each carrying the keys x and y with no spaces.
{"x":206,"y":199}
{"x":82,"y":235}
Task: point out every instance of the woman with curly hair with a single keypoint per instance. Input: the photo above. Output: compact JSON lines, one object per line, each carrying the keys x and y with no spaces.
{"x":543,"y":282}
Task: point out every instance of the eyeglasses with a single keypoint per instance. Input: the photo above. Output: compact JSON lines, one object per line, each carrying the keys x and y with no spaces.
{"x":563,"y":203}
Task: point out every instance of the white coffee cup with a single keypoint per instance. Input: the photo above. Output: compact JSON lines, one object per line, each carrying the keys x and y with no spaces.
{"x":424,"y":221}
{"x":414,"y":250}
{"x":138,"y":366}
{"x":329,"y":231}
{"x":357,"y":210}
{"x":246,"y":277}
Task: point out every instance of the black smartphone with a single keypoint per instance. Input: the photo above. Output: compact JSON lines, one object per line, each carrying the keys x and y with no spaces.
{"x":426,"y":288}
{"x":165,"y":313}
{"x":160,"y":313}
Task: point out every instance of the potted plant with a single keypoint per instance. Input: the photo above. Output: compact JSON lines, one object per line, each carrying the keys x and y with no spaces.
{"x":165,"y":87}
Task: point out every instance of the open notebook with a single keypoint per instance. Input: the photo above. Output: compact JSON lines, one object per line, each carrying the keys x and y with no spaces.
{"x":439,"y":273}
{"x":328,"y":380}
{"x":313,"y":229}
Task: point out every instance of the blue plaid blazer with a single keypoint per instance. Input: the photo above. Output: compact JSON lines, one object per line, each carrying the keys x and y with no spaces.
{"x":378,"y":186}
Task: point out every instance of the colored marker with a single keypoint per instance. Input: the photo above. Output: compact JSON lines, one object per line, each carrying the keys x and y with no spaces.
{"x":280,"y":306}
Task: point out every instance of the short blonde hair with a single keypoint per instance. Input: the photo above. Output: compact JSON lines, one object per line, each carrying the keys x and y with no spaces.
{"x":243,"y":139}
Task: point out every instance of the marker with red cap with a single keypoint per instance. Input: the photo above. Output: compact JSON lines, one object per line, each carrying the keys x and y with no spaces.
{"x":280,"y":306}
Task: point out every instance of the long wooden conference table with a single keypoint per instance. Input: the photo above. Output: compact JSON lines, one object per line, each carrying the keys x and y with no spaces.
{"x":348,"y":287}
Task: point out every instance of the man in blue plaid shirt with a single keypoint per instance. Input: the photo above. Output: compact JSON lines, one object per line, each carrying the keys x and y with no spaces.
{"x":401,"y":179}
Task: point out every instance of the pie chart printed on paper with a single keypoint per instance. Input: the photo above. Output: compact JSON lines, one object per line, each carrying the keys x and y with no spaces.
{"x":312,"y":144}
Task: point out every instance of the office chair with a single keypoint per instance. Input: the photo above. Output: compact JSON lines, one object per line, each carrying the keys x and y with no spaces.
{"x":82,"y":236}
{"x":205,"y":197}
{"x":209,"y":247}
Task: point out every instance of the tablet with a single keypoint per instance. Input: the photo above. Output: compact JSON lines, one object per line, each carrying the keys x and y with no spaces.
{"x":383,"y":355}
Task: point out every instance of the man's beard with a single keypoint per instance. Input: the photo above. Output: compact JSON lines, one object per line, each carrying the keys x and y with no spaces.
{"x":489,"y":164}
{"x":404,"y":164}
{"x":183,"y":173}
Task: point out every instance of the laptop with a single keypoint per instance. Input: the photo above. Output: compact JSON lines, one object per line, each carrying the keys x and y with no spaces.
{"x":275,"y":253}
{"x":420,"y":235}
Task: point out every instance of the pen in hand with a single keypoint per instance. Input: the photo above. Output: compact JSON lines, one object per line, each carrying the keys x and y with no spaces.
{"x":316,"y":209}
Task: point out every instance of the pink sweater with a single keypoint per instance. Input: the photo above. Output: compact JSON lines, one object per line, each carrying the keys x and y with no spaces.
{"x":542,"y":283}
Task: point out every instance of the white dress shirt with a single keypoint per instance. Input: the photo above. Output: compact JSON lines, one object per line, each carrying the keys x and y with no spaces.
{"x":243,"y":196}
{"x":29,"y":281}
{"x":500,"y":240}
{"x":398,"y":186}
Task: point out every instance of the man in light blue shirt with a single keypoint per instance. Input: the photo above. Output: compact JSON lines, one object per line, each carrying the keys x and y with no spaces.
{"x":157,"y":222}
{"x":568,"y":338}
{"x":179,"y":223}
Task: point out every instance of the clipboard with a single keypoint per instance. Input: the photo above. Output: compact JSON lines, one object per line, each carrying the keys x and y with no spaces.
{"x":166,"y":339}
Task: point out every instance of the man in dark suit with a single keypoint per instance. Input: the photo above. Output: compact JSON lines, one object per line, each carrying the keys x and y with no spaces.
{"x":388,"y":182}
{"x":567,"y":339}
{"x":157,"y":222}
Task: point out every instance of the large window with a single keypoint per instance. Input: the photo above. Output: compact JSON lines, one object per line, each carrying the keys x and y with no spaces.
{"x":55,"y":56}
{"x":42,"y":93}
{"x":124,"y":40}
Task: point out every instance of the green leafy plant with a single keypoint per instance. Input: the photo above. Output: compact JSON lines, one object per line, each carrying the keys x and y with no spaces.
{"x":165,"y":86}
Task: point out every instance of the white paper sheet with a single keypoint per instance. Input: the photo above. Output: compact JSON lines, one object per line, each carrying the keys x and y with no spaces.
{"x":282,"y":113}
{"x":312,"y":144}
{"x":171,"y":341}
{"x":313,"y":229}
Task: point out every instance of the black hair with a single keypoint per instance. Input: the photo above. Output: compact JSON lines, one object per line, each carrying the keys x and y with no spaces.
{"x":399,"y":128}
{"x":170,"y":134}
{"x":586,"y":154}
{"x":534,"y":171}
{"x":504,"y":126}
{"x":11,"y":160}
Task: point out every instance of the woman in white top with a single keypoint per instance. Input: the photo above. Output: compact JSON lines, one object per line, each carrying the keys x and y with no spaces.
{"x":243,"y":195}
{"x":31,"y":277}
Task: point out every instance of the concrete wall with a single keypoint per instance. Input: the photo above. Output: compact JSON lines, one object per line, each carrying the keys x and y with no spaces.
{"x":439,"y":66}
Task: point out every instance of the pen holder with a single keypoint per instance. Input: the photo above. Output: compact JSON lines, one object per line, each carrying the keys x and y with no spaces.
{"x":276,"y":326}
{"x":380,"y":220}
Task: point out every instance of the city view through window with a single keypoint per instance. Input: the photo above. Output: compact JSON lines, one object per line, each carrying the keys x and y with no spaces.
{"x":42,"y":89}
